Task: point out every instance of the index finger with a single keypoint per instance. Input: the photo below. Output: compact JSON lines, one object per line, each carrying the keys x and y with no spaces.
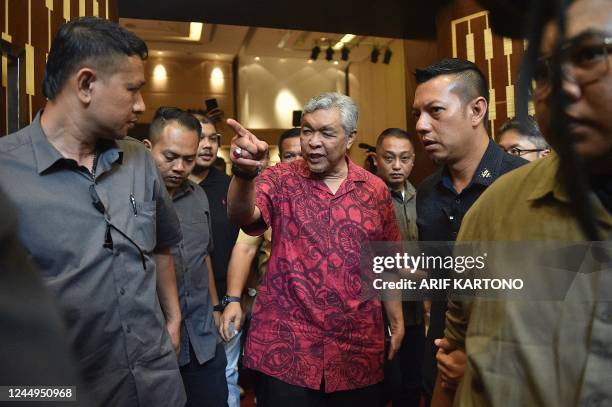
{"x":238,"y":128}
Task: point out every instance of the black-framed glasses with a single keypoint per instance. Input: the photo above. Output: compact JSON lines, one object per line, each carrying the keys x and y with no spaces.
{"x":585,"y":59}
{"x":108,"y":239}
{"x":519,"y":152}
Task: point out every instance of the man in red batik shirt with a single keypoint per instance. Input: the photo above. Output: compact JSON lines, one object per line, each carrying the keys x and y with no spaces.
{"x":313,"y":338}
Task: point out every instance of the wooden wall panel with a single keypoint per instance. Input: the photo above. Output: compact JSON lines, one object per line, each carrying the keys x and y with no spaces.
{"x":32,"y":24}
{"x":456,"y":23}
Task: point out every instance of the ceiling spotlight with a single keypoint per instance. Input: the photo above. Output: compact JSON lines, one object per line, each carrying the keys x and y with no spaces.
{"x":344,"y":53}
{"x":387,"y":56}
{"x":314,"y":54}
{"x":329,"y":53}
{"x":374,"y":55}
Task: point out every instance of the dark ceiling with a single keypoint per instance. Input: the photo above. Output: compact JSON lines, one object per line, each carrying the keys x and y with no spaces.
{"x":383,"y":18}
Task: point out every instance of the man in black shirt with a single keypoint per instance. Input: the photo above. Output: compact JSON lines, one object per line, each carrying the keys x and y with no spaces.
{"x":451,"y":109}
{"x":216,"y":184}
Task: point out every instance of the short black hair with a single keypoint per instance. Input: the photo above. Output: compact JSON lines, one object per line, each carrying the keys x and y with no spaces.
{"x":166,"y":115}
{"x":394,"y":132}
{"x":528,"y":129}
{"x":473,"y":81}
{"x":88,"y":39}
{"x":295,"y":132}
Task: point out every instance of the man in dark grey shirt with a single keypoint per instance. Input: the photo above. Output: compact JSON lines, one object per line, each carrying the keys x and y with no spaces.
{"x":173,"y":140}
{"x":96,"y":219}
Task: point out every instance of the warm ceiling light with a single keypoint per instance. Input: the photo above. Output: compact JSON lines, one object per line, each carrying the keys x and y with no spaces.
{"x":336,"y":62}
{"x":257,"y":58}
{"x":159,"y":72}
{"x":344,"y":40}
{"x":347,"y":38}
{"x":195,"y":31}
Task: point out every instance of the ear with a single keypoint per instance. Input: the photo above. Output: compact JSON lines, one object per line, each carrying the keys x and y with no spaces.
{"x":147,"y":144}
{"x":85,"y":79}
{"x":544,"y":152}
{"x":350,"y":139}
{"x":478,"y":109}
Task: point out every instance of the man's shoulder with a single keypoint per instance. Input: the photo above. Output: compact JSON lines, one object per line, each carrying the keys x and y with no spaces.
{"x":513,"y":188}
{"x":131,"y":146}
{"x":510,"y":162}
{"x":15,"y":141}
{"x":198,"y":192}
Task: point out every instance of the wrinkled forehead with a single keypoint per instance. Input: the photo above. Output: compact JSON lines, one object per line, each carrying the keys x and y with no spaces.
{"x":582,"y":16}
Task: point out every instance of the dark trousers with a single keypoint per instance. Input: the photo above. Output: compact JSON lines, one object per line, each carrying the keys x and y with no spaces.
{"x":205,"y":383}
{"x":272,"y":392}
{"x":403,"y":375}
{"x":436,"y":331}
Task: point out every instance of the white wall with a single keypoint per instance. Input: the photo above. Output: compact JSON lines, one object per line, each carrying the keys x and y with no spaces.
{"x":269,"y":90}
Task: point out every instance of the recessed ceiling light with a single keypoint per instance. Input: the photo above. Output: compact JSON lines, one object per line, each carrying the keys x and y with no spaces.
{"x":335,"y":62}
{"x":257,"y":58}
{"x":195,"y":31}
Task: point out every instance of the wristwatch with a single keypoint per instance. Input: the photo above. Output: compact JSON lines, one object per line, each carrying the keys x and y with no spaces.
{"x":227,"y":299}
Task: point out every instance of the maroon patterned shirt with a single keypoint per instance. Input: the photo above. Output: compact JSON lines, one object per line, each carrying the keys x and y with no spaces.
{"x":309,"y":321}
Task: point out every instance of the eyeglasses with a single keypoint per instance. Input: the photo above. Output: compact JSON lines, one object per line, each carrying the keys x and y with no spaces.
{"x":519,"y":152}
{"x":108,"y":239}
{"x":585,"y":59}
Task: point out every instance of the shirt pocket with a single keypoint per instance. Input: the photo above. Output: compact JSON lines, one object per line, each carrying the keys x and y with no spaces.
{"x":142,"y":226}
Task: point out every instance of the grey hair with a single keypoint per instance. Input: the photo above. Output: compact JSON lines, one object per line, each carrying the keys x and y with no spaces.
{"x":349,"y":113}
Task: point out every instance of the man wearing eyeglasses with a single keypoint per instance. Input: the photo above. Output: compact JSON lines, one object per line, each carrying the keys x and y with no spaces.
{"x":549,"y":352}
{"x":522,"y":139}
{"x":96,"y":219}
{"x":173,"y":140}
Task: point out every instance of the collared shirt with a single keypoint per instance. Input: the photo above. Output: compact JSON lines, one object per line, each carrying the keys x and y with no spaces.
{"x":224,"y":231}
{"x":107,"y":296}
{"x":440,"y":209}
{"x":405,"y":211}
{"x":548,"y":353}
{"x":309,"y":321}
{"x":198,"y":325}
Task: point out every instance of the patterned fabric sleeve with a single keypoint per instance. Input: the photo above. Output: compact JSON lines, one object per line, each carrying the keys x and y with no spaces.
{"x":391,"y":230}
{"x":266,"y":194}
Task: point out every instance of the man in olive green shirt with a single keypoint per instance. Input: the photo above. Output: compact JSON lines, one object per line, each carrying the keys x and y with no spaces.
{"x":545,"y":352}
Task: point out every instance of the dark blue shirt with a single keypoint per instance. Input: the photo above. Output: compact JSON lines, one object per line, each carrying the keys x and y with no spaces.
{"x":224,"y":232}
{"x":440,"y":209}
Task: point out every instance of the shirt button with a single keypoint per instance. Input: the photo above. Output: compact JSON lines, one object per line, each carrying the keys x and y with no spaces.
{"x":458,"y":200}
